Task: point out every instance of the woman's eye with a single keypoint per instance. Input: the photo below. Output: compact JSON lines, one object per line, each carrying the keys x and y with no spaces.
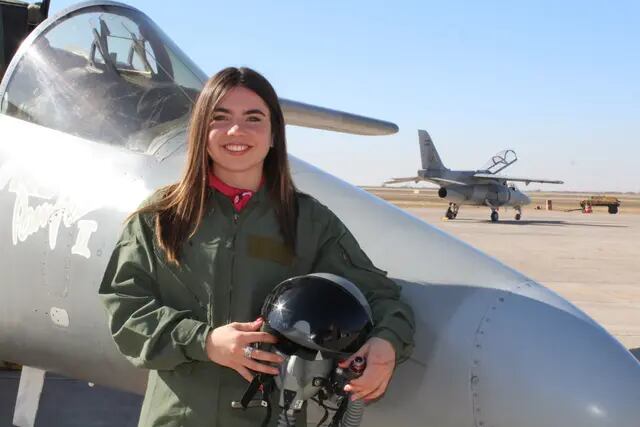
{"x":219,"y":118}
{"x":254,"y":119}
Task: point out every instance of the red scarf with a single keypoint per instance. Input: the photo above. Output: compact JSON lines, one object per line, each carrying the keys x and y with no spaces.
{"x":239,"y":197}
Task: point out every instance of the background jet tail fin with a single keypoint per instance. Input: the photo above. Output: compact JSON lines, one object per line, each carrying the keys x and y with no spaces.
{"x":430,"y":157}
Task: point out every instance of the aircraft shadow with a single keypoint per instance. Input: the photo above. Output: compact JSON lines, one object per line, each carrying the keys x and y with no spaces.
{"x":635,"y":352}
{"x":536,"y":222}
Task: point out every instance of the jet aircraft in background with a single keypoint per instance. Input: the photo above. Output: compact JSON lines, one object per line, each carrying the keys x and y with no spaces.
{"x":482,"y":187}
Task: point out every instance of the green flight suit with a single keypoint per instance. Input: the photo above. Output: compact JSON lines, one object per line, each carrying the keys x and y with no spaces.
{"x":160,"y":315}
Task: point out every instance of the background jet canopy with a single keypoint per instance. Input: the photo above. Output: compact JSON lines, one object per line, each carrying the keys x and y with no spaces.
{"x":104,"y":73}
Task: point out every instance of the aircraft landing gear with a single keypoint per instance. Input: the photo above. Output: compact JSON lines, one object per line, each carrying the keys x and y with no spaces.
{"x":518,"y":213}
{"x":452,"y":211}
{"x":494,"y":215}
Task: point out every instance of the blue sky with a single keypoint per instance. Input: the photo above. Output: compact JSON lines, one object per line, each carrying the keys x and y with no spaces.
{"x":559,"y":82}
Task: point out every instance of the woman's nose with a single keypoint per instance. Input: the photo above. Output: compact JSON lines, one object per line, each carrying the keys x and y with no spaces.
{"x":235,"y":129}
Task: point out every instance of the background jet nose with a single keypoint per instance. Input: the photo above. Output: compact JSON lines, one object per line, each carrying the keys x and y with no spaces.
{"x":521,"y":199}
{"x":538,"y":361}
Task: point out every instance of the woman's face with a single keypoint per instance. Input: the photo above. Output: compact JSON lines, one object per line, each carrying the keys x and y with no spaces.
{"x":239,"y":135}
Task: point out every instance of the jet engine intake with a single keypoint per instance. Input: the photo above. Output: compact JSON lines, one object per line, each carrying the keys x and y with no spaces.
{"x":456,"y":193}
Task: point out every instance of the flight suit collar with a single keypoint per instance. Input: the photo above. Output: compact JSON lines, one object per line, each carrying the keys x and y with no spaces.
{"x":239,"y":196}
{"x":218,"y":201}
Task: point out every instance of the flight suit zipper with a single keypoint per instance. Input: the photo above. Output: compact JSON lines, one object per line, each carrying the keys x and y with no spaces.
{"x":232,"y":243}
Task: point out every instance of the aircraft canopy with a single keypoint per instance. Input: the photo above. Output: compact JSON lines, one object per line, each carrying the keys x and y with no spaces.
{"x":105,"y":73}
{"x":500,"y":161}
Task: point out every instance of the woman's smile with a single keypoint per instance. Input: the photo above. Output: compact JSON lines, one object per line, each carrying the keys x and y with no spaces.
{"x":237,"y":149}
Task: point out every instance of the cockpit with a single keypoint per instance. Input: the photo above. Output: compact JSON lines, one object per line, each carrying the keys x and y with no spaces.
{"x":499,"y":162}
{"x":103,"y":72}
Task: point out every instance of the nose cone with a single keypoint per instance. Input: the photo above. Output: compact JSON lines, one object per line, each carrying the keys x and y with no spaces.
{"x":541,"y":362}
{"x":522,"y":199}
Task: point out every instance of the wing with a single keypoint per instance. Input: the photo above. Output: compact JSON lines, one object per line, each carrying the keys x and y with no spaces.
{"x":307,"y":115}
{"x":408,"y":179}
{"x":439,"y":181}
{"x":445,"y":181}
{"x":517,"y":179}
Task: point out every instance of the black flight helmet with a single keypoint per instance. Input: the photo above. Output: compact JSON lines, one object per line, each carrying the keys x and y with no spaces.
{"x":318,"y":313}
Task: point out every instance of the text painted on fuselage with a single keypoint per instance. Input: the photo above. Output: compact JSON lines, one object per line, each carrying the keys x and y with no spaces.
{"x":30,"y":218}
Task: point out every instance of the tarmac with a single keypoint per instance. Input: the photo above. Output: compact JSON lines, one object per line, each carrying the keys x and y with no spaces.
{"x":589,"y":259}
{"x":71,"y":403}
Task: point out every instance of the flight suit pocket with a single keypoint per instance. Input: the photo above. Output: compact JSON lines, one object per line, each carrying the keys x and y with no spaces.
{"x":270,"y":249}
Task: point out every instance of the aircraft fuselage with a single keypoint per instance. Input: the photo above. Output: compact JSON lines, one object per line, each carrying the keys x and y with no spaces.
{"x":492,"y":195}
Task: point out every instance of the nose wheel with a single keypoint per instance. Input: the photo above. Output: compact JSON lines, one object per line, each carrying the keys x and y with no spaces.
{"x":452,"y":211}
{"x":518,"y":213}
{"x":494,"y":215}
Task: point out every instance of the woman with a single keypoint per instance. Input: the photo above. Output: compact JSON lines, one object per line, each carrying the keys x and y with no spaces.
{"x":195,"y":262}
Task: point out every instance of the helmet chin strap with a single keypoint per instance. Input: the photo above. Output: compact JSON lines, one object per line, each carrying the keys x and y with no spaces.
{"x":300,"y":380}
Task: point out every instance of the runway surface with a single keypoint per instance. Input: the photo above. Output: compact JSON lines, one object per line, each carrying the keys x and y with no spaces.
{"x":71,"y":403}
{"x":589,"y":259}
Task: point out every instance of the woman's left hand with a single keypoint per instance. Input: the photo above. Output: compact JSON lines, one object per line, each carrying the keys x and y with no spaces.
{"x":381,"y":360}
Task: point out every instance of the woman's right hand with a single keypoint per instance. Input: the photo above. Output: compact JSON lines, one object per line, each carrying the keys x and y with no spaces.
{"x":225,"y":346}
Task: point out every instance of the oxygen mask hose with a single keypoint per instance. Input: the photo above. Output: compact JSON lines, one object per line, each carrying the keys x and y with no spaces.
{"x":353,"y":415}
{"x":349,"y":414}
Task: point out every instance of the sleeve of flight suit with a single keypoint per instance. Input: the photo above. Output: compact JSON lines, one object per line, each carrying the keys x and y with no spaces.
{"x":147,"y":331}
{"x":340,"y":254}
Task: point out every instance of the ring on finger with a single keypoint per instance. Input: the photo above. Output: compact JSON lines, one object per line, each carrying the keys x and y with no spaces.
{"x":248,"y":351}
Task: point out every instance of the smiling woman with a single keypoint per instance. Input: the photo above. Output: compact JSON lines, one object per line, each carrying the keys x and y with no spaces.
{"x":240,"y":138}
{"x":196,"y":261}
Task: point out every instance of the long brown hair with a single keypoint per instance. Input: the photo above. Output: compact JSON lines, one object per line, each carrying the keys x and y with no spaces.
{"x":181,"y":206}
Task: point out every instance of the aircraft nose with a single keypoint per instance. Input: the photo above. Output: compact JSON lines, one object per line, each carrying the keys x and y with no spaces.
{"x":538,"y":361}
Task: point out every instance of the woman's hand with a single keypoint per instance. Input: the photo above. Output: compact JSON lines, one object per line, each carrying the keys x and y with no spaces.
{"x":226,"y":344}
{"x":381,"y":360}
